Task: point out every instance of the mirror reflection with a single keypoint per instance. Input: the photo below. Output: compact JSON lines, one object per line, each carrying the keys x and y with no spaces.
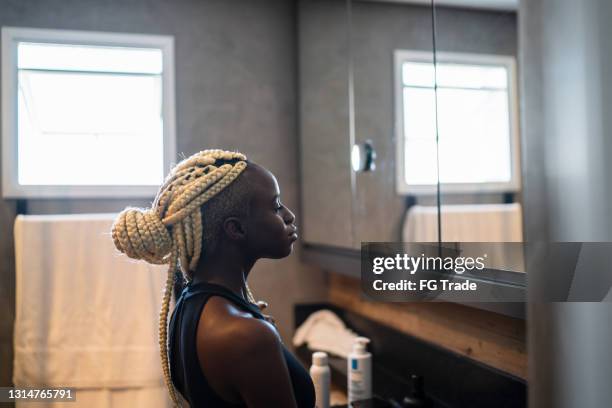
{"x":436,"y":94}
{"x":409,"y":123}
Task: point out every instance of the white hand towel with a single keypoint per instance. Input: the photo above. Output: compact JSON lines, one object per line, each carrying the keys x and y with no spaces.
{"x":323,"y":330}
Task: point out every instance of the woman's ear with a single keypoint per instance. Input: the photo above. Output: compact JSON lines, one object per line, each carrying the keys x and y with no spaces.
{"x":234,"y":229}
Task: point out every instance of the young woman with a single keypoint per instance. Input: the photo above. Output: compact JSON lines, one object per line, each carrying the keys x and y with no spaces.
{"x":215,"y":215}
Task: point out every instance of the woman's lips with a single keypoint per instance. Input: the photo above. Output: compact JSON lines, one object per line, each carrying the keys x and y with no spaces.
{"x":293,"y":234}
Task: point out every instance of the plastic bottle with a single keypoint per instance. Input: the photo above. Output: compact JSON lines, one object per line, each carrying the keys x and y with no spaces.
{"x":359,"y":371}
{"x":321,"y":378}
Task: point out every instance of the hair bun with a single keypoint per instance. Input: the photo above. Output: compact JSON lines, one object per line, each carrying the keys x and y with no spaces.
{"x":141,"y":234}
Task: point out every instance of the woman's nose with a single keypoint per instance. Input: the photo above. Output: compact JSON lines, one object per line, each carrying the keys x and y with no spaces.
{"x":290,"y":217}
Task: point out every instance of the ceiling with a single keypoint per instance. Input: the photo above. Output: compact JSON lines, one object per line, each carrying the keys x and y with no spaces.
{"x":481,"y":4}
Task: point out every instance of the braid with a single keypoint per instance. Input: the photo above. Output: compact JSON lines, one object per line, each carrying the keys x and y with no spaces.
{"x":171,"y":231}
{"x":163,"y":329}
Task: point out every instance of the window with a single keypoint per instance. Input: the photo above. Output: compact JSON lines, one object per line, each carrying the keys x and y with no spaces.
{"x":477,"y":123}
{"x":86,"y":114}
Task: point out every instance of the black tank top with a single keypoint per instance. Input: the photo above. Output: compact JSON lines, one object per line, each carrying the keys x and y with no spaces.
{"x":185,"y":371}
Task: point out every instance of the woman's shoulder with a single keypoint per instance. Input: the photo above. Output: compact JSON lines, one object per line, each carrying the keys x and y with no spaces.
{"x":227,"y":338}
{"x":225,"y":327}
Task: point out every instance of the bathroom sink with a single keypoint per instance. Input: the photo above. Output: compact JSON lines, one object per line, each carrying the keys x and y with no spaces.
{"x":450,"y":380}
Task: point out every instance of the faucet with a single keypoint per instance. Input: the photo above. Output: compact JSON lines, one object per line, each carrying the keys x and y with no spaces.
{"x":417,"y":398}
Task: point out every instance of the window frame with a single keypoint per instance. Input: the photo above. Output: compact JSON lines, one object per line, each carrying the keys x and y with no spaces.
{"x":509,"y":62}
{"x":11,"y":36}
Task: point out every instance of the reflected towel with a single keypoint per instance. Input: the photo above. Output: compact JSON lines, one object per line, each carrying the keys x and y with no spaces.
{"x":86,"y":315}
{"x":465,"y":223}
{"x":472,"y":223}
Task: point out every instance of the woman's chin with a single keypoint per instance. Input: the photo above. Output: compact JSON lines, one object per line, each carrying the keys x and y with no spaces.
{"x":285,"y":251}
{"x":290,"y":249}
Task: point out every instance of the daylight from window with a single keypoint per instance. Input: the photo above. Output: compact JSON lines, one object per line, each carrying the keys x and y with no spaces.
{"x":89,"y":115}
{"x":473,"y":123}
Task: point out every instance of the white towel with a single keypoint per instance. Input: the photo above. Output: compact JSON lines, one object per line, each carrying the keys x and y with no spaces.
{"x":465,"y":223}
{"x":323,"y":330}
{"x":86,"y":315}
{"x":482,"y":223}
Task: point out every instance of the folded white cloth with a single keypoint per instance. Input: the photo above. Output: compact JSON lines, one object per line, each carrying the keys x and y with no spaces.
{"x":323,"y":330}
{"x":86,"y":315}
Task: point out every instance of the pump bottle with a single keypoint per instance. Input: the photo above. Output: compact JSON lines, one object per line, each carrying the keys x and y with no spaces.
{"x":359,"y":371}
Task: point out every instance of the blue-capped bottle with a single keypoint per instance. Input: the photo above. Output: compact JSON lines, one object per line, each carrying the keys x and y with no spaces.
{"x":359,"y":371}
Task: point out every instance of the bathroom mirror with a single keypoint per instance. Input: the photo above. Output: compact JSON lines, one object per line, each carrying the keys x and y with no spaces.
{"x":379,"y":30}
{"x":477,"y":115}
{"x":347,"y":122}
{"x":435,"y":96}
{"x":435,"y":93}
{"x":409,"y":126}
{"x":323,"y":46}
{"x":478,"y":120}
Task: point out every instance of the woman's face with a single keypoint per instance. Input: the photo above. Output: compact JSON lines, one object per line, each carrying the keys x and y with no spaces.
{"x":271,"y":231}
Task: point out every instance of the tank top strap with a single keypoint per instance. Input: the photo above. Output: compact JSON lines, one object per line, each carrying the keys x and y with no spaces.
{"x":209,"y":289}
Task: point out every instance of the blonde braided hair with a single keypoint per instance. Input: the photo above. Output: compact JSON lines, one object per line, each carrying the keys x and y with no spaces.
{"x":171,"y":231}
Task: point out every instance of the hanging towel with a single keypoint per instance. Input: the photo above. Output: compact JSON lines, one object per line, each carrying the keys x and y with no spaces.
{"x":86,"y":315}
{"x":482,"y":223}
{"x":465,"y":223}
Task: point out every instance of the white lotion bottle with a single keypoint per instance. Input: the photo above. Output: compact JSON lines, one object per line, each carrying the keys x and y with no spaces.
{"x":359,"y":371}
{"x":321,"y":378}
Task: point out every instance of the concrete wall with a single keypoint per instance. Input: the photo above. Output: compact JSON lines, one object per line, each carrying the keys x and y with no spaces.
{"x":235,"y":89}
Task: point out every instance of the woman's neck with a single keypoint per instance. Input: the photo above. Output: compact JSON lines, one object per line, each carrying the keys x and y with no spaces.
{"x":229,"y":270}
